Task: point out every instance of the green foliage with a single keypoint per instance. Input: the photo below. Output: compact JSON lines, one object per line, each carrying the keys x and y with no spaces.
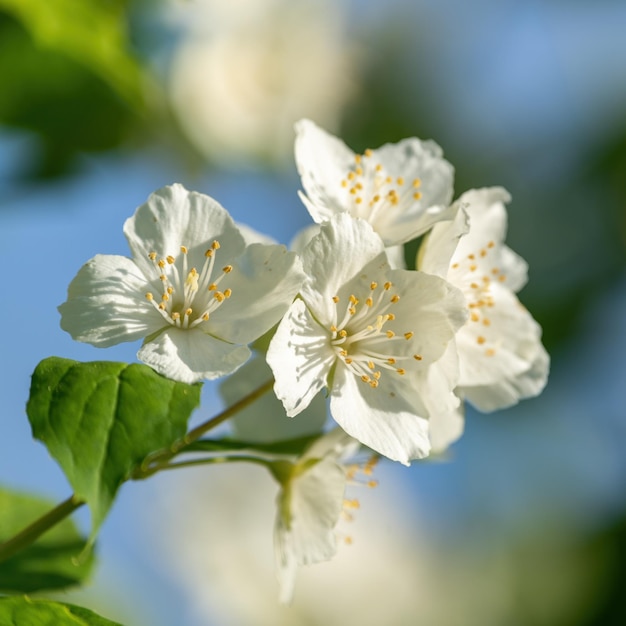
{"x":100,"y":420}
{"x":90,"y":32}
{"x":49,"y":563}
{"x":28,"y":612}
{"x":68,"y":75}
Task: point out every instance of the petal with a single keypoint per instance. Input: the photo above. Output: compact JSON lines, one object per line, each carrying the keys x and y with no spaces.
{"x":484,"y":243}
{"x":264,"y":282}
{"x":335,"y":444}
{"x":440,"y":244}
{"x":191,"y":355}
{"x":302,"y":238}
{"x":390,"y":419}
{"x":106,"y":303}
{"x":322,"y":161}
{"x":395,"y":257}
{"x":504,"y":359}
{"x":412,"y":159}
{"x":509,"y":390}
{"x":265,"y":420}
{"x":314,"y":501}
{"x":430,"y":308}
{"x":435,"y":385}
{"x":335,"y":256}
{"x":300,"y":357}
{"x":174,"y":217}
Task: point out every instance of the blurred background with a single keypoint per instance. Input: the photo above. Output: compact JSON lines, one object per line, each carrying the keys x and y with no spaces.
{"x":104,"y":101}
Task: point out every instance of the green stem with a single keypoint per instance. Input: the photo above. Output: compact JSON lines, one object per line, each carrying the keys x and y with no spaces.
{"x":153,"y":461}
{"x":215,"y":460}
{"x":31,"y":533}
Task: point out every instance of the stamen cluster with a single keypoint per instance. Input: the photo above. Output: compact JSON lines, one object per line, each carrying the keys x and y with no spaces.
{"x":188,"y":297}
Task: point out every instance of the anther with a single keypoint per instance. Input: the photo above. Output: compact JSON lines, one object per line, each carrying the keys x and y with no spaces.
{"x":149,"y":297}
{"x":395,"y":298}
{"x":418,"y":357}
{"x":170,"y":259}
{"x":227,"y":269}
{"x":335,"y":299}
{"x":373,"y":285}
{"x":401,"y":371}
{"x":183,"y":249}
{"x":152,"y":256}
{"x":390,"y":334}
{"x":408,"y":335}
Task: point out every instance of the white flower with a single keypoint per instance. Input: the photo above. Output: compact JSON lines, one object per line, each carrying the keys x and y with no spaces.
{"x":360,"y":329}
{"x":400,"y":189}
{"x":309,"y":506}
{"x":500,"y":353}
{"x":245,"y":73}
{"x":192,"y":290}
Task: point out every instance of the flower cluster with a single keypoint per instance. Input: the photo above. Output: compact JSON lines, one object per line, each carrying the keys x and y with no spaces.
{"x":398,"y":351}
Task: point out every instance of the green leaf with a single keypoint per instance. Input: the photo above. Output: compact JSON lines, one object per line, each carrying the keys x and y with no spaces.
{"x":90,"y":32}
{"x":294,"y":446}
{"x":100,"y":420}
{"x":49,"y":563}
{"x":23,"y":611}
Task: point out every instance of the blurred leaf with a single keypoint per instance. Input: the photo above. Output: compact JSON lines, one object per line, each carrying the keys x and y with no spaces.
{"x":100,"y":420}
{"x":29,"y":612}
{"x":90,"y":32}
{"x":71,"y":105}
{"x":49,"y":563}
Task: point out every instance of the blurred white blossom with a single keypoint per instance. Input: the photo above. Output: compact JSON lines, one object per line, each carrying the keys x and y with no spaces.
{"x":248,"y":69}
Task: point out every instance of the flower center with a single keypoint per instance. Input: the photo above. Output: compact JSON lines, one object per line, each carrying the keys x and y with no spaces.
{"x":370,"y":189}
{"x":361,"y":340}
{"x":188,"y":296}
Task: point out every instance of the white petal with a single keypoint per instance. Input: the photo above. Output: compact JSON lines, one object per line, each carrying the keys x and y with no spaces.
{"x":335,"y":256}
{"x":395,"y":256}
{"x":429,"y":307}
{"x":334,"y":444}
{"x":390,"y":419}
{"x":173,"y":217}
{"x":507,"y":391}
{"x":106,"y":303}
{"x":251,"y":235}
{"x":264,"y":282}
{"x":440,"y":244}
{"x":410,"y":159}
{"x":300,"y":357}
{"x":504,"y":361}
{"x":488,"y":223}
{"x":322,"y":160}
{"x":436,"y":384}
{"x":265,"y":420}
{"x":314,"y":500}
{"x":302,"y":238}
{"x":191,"y":355}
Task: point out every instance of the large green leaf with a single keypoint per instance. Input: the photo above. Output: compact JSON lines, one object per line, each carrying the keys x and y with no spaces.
{"x":28,"y":612}
{"x":100,"y":420}
{"x":49,"y":563}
